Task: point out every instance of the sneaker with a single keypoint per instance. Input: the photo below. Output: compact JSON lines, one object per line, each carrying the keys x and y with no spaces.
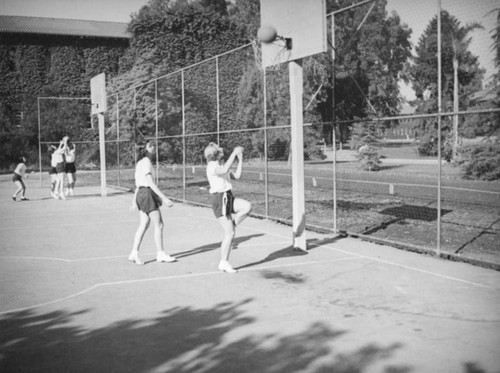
{"x":134,"y":257}
{"x":224,"y":266}
{"x":24,"y":199}
{"x":55,"y":195}
{"x":14,"y":198}
{"x":71,"y":192}
{"x":164,"y":257}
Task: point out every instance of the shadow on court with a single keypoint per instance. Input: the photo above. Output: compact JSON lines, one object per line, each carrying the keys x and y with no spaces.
{"x":181,"y":339}
{"x":70,"y":301}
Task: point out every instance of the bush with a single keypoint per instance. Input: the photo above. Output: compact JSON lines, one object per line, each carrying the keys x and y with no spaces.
{"x":368,"y":155}
{"x":481,"y":162}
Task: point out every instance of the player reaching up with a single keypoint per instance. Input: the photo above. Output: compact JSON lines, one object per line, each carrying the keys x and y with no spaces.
{"x":228,"y":210}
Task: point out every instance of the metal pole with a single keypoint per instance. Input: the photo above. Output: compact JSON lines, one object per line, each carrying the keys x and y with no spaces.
{"x":266,"y":168}
{"x":39,"y":143}
{"x":334,"y":135}
{"x":218,"y":98}
{"x":438,"y":247}
{"x":118,"y":138}
{"x":183,"y":140}
{"x":156,"y":133}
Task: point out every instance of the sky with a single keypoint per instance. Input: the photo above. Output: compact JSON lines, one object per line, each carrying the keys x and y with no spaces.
{"x":415,"y":13}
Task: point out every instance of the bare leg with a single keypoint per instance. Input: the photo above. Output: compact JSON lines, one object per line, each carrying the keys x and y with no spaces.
{"x":242,"y":208}
{"x":161,"y":256}
{"x":225,"y":247}
{"x":20,"y":188}
{"x":158,"y":229}
{"x":139,"y":234}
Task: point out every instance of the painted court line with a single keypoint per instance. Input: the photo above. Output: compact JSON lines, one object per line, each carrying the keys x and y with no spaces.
{"x":174,"y":277}
{"x":150,"y":252}
{"x":435,"y":274}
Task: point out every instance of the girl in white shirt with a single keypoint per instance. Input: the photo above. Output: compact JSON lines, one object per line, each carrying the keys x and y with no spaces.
{"x":148,"y":198}
{"x":17,"y":179}
{"x":57,"y":161}
{"x":228,"y":210}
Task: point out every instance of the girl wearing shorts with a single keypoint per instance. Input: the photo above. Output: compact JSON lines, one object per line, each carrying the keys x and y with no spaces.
{"x":228,"y":210}
{"x":17,"y":179}
{"x":148,"y":198}
{"x":69,"y":167}
{"x":57,"y":162}
{"x":52,"y":171}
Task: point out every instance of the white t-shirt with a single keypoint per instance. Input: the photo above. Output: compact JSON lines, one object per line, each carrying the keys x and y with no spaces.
{"x":218,"y":183}
{"x":70,"y":155}
{"x":20,"y":169}
{"x":143,"y":168}
{"x":57,"y":157}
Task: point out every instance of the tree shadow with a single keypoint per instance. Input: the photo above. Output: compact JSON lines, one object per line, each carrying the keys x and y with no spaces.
{"x":414,"y":212}
{"x":181,"y":340}
{"x":213,"y":246}
{"x":287,"y":252}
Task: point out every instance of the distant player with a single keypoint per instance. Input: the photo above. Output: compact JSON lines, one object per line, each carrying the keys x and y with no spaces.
{"x":57,"y":162}
{"x":69,"y":167}
{"x":228,"y":210}
{"x":17,"y":178}
{"x":148,"y":198}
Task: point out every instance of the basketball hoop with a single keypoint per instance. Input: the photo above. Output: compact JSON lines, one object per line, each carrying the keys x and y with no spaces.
{"x":257,"y":52}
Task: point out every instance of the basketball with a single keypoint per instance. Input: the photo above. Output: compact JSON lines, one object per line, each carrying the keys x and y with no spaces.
{"x":267,"y":34}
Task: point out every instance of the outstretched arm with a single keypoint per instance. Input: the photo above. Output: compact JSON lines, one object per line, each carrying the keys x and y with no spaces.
{"x":154,"y":188}
{"x":224,"y":169}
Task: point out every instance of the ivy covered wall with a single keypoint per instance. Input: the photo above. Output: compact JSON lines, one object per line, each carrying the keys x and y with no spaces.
{"x":45,"y":65}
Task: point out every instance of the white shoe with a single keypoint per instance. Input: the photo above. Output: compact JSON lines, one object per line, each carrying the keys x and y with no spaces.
{"x":134,"y":257}
{"x":224,"y":266}
{"x":71,"y":192}
{"x":164,"y":257}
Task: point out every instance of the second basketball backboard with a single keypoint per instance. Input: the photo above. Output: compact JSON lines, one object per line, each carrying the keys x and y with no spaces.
{"x":98,"y":94}
{"x":301,"y":28}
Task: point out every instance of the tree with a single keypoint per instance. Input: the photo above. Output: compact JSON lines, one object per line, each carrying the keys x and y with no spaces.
{"x":460,"y":73}
{"x":371,"y":50}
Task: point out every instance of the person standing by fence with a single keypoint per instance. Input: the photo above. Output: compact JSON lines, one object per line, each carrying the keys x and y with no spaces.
{"x":228,"y":210}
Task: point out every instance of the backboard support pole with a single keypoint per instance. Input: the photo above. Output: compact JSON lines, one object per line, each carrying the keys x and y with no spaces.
{"x":102,"y":151}
{"x":297,"y":149}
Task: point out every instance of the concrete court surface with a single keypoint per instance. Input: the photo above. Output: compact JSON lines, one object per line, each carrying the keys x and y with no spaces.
{"x":71,"y":302}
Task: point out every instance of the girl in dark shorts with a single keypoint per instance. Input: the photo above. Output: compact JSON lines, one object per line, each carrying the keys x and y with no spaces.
{"x":17,"y":178}
{"x":228,"y":210}
{"x":70,"y":168}
{"x":148,"y":198}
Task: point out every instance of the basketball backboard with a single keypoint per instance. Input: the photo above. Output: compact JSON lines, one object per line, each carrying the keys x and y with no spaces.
{"x":301,"y":27}
{"x":98,"y":94}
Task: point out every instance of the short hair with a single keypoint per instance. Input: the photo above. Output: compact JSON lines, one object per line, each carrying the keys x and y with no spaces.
{"x":211,"y":151}
{"x":140,"y":149}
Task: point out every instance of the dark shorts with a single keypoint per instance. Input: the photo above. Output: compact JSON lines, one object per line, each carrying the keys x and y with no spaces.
{"x":223,"y":204}
{"x":52,"y":171}
{"x":70,"y":168}
{"x":17,"y":177}
{"x":60,"y":168}
{"x":147,"y":200}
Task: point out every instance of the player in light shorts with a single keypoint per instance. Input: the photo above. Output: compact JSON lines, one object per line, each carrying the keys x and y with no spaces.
{"x":17,"y":178}
{"x":57,"y":161}
{"x":228,"y":210}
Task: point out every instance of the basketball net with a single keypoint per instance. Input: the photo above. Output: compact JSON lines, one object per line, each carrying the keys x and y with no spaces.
{"x":257,"y":52}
